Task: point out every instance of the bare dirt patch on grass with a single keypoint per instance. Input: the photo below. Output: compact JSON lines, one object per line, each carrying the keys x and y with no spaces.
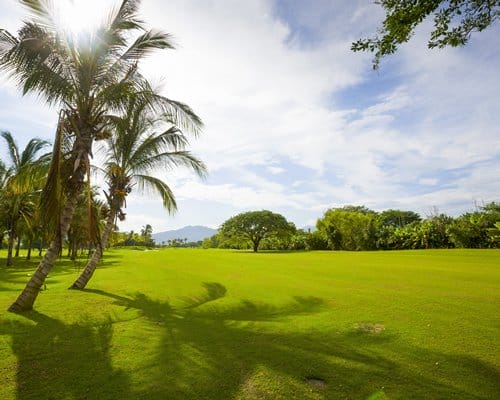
{"x":316,"y":382}
{"x":367,"y":327}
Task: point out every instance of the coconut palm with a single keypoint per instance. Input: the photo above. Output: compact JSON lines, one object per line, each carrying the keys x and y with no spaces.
{"x":79,"y":236}
{"x":22,"y":181}
{"x":88,"y":78}
{"x":143,"y":144}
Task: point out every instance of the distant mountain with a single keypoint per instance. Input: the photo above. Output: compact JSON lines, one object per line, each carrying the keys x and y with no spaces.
{"x":191,"y":233}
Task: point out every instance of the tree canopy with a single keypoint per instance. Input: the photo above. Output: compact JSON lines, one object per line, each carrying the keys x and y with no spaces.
{"x":255,"y":226}
{"x":454,"y":22}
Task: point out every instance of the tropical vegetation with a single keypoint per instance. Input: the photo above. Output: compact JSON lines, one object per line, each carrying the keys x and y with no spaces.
{"x":22,"y":181}
{"x":142,"y":142}
{"x":358,"y":228}
{"x":91,"y":78}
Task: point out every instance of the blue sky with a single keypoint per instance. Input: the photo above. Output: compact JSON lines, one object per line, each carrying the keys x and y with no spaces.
{"x":297,"y":123}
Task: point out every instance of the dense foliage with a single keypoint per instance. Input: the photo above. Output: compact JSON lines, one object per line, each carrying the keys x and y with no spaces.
{"x":359,"y":228}
{"x":256,"y":227}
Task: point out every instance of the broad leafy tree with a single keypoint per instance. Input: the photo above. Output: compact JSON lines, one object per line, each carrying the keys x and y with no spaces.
{"x":454,"y":22}
{"x":88,"y":78}
{"x":255,"y":226}
{"x":397,"y":218}
{"x":389,"y":221}
{"x":348,"y":228}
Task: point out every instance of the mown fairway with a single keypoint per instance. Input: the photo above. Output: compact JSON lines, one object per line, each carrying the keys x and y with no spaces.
{"x":213,"y":324}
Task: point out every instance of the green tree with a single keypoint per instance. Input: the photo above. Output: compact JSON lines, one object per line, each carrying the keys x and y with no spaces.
{"x":388,"y":222}
{"x":495,"y":234}
{"x":473,"y":230}
{"x":211,"y":242}
{"x":88,"y":78}
{"x":255,"y":226}
{"x":144,"y":142}
{"x":397,"y":218}
{"x":146,"y":235}
{"x":433,"y":232}
{"x":454,"y":22}
{"x":35,"y":232}
{"x":348,"y":228}
{"x":79,"y":235}
{"x":22,"y":181}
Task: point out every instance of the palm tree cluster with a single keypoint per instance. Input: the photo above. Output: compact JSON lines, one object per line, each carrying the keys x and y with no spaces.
{"x":103,"y":100}
{"x":21,"y":183}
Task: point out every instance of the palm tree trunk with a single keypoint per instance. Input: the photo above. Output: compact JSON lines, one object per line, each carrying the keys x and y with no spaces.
{"x":10,"y":247}
{"x":28,"y":296}
{"x":30,"y":243}
{"x":91,"y":266}
{"x":73,"y":251}
{"x":18,"y":246}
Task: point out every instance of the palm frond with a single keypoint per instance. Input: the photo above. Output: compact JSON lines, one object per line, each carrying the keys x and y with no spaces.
{"x":52,"y":193}
{"x":179,"y":114}
{"x":147,"y":182}
{"x":42,"y":11}
{"x":7,"y":41}
{"x":32,"y":148}
{"x":13,"y":151}
{"x":37,"y":62}
{"x":145,"y":44}
{"x":125,"y":17}
{"x":168,"y":160}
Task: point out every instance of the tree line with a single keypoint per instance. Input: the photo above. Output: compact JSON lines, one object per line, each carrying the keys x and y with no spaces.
{"x":355,"y":228}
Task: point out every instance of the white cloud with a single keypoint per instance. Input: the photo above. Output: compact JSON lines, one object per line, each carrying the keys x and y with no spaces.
{"x":275,"y":170}
{"x":269,"y":101}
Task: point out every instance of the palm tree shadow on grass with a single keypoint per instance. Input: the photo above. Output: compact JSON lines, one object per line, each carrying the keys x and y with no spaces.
{"x":59,"y":361}
{"x":232,"y":348}
{"x":22,"y":270}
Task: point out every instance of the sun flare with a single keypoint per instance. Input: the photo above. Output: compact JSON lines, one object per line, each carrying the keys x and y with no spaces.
{"x":77,"y":17}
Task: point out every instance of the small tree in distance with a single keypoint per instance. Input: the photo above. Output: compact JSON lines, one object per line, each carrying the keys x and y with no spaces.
{"x":254,"y":226}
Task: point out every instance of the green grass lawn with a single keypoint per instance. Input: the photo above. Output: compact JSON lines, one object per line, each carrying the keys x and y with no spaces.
{"x":213,"y":324}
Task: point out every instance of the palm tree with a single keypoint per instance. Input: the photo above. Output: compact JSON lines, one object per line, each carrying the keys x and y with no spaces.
{"x":79,"y":236}
{"x":143,"y":143}
{"x":89,"y":78}
{"x":22,"y":181}
{"x":146,"y":233}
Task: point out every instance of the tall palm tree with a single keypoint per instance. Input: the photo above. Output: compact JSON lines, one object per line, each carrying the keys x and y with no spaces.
{"x":3,"y":179}
{"x":89,"y":78}
{"x":79,"y":236}
{"x":143,"y":143}
{"x":23,"y":179}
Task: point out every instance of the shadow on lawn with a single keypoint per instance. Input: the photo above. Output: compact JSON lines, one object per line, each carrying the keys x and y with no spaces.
{"x":231,"y":350}
{"x":58,"y":361}
{"x":211,"y":350}
{"x":18,"y":275}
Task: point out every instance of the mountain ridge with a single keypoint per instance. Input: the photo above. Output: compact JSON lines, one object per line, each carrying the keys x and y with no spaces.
{"x":192,"y":233}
